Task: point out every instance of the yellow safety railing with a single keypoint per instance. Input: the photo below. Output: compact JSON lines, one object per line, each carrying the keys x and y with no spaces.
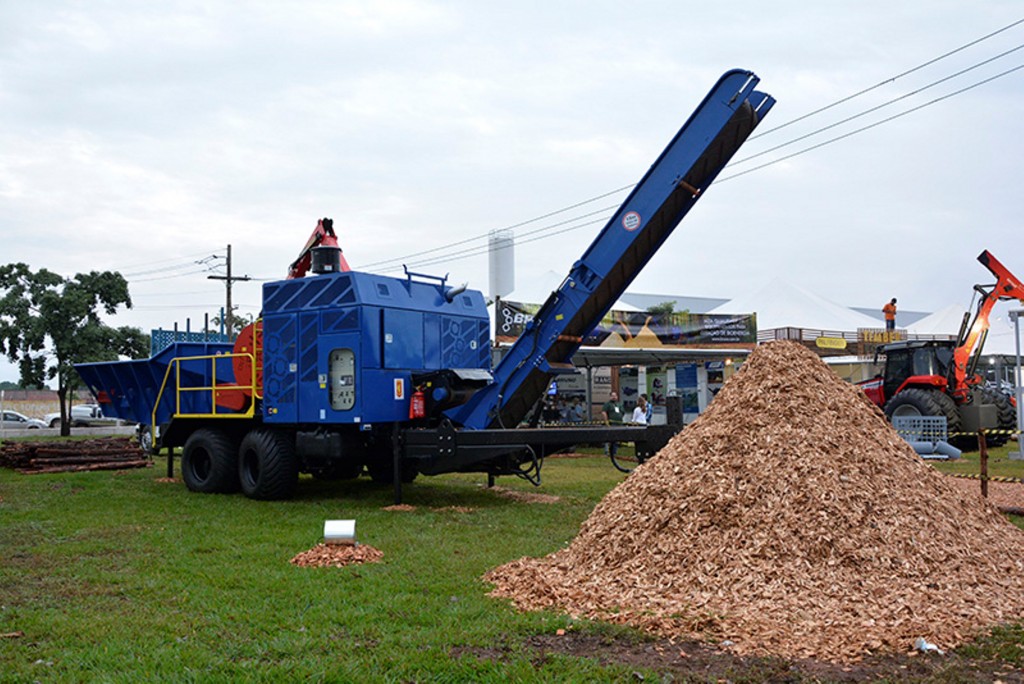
{"x":213,"y":388}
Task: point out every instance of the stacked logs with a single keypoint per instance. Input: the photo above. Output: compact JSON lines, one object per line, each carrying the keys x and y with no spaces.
{"x":111,"y":453}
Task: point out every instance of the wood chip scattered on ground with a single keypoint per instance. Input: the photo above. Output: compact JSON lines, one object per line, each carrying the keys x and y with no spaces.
{"x":789,"y":519}
{"x":108,"y":453}
{"x":527,"y":497}
{"x":1008,"y":497}
{"x":337,"y":556}
{"x":401,"y":508}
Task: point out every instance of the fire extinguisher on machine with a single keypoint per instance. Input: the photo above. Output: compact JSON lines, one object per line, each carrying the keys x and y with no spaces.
{"x":417,"y":405}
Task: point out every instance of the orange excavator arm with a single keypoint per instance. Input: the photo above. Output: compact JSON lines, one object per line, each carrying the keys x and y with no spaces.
{"x":971,"y":341}
{"x":323,"y":236}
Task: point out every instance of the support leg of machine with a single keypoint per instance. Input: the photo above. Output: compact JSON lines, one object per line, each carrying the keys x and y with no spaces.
{"x":396,"y":453}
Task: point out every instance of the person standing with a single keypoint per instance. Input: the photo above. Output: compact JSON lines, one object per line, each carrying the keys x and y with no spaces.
{"x":650,"y":408}
{"x":611,"y":412}
{"x":890,"y":314}
{"x":640,"y":412}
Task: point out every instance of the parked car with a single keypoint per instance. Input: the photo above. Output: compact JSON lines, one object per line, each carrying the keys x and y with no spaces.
{"x":82,"y":415}
{"x":12,"y":420}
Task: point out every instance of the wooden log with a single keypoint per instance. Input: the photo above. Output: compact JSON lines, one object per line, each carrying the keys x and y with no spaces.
{"x":116,"y":465}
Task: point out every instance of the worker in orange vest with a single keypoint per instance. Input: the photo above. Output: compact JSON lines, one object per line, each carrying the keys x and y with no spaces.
{"x":890,"y":314}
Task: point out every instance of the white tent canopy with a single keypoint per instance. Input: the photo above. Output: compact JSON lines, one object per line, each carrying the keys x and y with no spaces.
{"x":537,"y":291}
{"x":947,"y":321}
{"x":783,"y":305}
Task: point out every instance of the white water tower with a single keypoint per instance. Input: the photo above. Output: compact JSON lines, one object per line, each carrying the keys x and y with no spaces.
{"x":501,"y":263}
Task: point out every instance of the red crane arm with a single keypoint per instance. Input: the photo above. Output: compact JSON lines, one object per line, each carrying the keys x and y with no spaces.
{"x":1007,"y":286}
{"x":323,"y":235}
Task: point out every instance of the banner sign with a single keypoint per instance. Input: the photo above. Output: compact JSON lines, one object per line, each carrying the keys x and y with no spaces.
{"x":639,"y":329}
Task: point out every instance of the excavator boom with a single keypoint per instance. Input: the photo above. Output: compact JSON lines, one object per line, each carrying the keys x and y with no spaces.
{"x":1006,"y":287}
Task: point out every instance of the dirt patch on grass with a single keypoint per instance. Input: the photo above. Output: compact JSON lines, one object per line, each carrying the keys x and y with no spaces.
{"x":694,"y":661}
{"x":525,"y":497}
{"x":399,"y":508}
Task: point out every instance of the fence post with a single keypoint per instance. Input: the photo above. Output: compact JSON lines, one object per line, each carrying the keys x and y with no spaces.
{"x":983,"y":454}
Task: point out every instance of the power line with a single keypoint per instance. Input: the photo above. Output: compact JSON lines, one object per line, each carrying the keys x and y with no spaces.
{"x":875,"y":124}
{"x":878,"y":107}
{"x":510,"y":227}
{"x":889,"y":80}
{"x":389,"y":264}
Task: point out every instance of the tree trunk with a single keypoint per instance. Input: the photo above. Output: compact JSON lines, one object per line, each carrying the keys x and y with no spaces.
{"x":62,"y":396}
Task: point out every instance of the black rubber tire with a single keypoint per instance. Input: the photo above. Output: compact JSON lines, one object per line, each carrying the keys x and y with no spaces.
{"x":920,"y":402}
{"x":209,"y":462}
{"x":55,"y":423}
{"x":1004,"y":410}
{"x":268,"y":467}
{"x":145,"y":438}
{"x":954,"y":422}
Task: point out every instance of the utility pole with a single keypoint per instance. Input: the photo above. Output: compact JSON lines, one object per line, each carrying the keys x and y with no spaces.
{"x":228,"y":279}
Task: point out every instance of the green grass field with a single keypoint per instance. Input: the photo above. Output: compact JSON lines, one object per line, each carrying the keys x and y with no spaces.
{"x":116,"y":576}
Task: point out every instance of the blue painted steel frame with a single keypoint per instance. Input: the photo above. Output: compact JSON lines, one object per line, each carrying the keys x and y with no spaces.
{"x":674,"y":183}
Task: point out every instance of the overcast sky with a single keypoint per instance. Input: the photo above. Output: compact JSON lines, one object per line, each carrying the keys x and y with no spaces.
{"x":143,"y":137}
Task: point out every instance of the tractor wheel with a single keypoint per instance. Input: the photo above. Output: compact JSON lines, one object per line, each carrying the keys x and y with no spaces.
{"x":1007,"y":415}
{"x":925,"y":402}
{"x":209,"y":462}
{"x":915,"y":402}
{"x":950,"y":410}
{"x":267,"y":465}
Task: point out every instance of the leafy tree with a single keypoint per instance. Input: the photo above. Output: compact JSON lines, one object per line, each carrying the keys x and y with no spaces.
{"x":8,"y":385}
{"x":238,"y":322}
{"x":663,"y":309}
{"x":48,"y":323}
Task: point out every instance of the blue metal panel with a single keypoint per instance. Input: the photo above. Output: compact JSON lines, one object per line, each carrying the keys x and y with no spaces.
{"x":131,"y":386}
{"x":403,"y":339}
{"x":432,"y":341}
{"x":309,"y":293}
{"x":460,"y":343}
{"x":379,"y":401}
{"x":310,"y":395}
{"x":280,"y":369}
{"x":372,"y":347}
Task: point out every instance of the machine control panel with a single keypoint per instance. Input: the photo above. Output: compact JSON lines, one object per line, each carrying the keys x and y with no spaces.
{"x":342,"y":373}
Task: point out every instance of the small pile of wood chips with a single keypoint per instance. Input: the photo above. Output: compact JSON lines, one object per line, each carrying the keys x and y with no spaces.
{"x":789,"y":519}
{"x":337,"y":556}
{"x":108,"y":453}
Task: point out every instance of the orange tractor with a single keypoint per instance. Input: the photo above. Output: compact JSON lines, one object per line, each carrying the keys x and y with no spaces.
{"x":937,"y":377}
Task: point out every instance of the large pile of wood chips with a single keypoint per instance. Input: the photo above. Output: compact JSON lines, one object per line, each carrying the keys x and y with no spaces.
{"x":790,"y":519}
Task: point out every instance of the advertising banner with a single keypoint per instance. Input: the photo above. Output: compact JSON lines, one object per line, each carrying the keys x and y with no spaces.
{"x":639,"y":329}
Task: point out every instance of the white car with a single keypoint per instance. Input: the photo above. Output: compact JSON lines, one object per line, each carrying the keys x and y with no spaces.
{"x":12,"y":420}
{"x":82,"y":415}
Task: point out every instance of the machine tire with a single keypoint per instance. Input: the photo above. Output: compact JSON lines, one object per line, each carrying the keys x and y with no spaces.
{"x":925,"y":402}
{"x":268,"y":467}
{"x":145,"y":438}
{"x":209,"y":462}
{"x":1004,"y":409}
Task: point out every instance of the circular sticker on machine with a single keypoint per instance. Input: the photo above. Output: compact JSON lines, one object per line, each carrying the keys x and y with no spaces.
{"x":631,"y":221}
